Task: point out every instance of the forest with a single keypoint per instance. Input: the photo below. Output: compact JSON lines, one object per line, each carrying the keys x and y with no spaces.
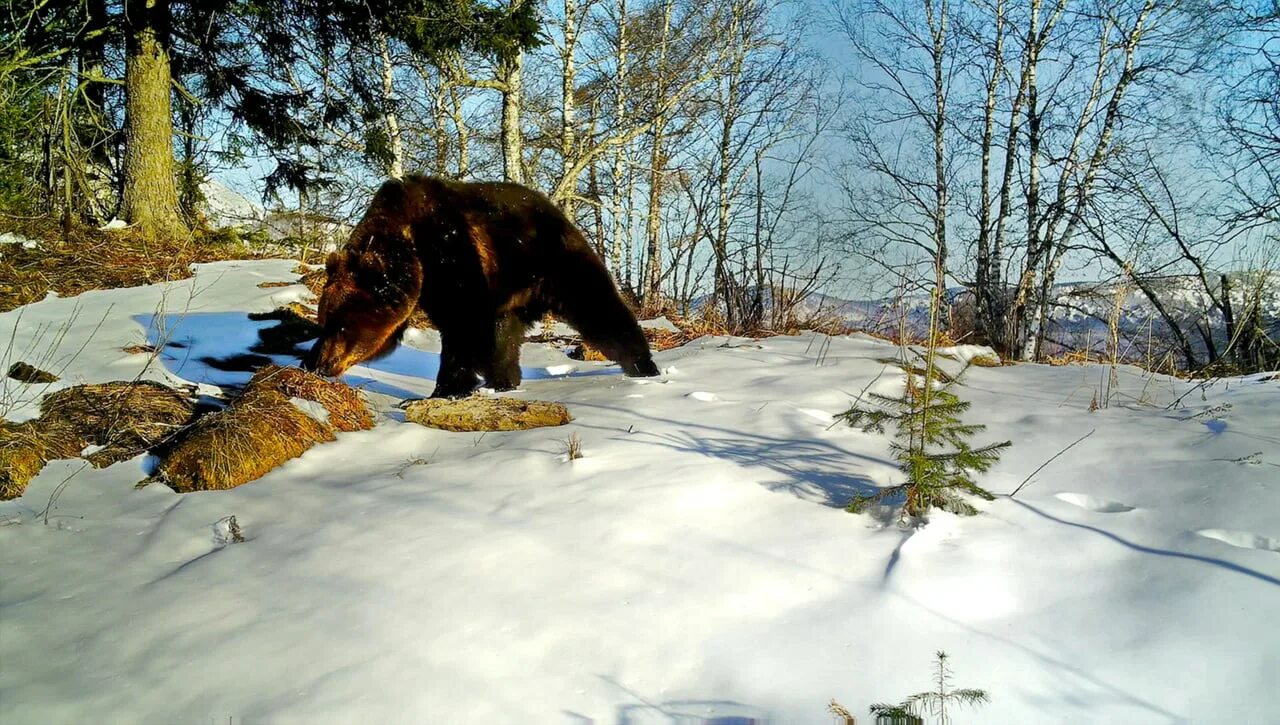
{"x":737,"y":161}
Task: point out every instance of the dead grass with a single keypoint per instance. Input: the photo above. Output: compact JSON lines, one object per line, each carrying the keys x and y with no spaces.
{"x":583,"y":351}
{"x":25,"y":448}
{"x":241,"y":443}
{"x":89,"y":259}
{"x":486,"y":414}
{"x":1073,"y":357}
{"x":312,"y":277}
{"x":573,"y":447}
{"x":30,"y":374}
{"x":660,"y":339}
{"x":125,"y":418}
{"x":138,"y":349}
{"x":347,"y":411}
{"x":259,"y":430}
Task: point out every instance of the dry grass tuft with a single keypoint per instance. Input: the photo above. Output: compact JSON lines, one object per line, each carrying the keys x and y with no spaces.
{"x":1074,"y":357}
{"x":241,"y":443}
{"x":347,"y":411}
{"x":259,"y":430}
{"x":139,"y":349}
{"x":88,"y":259}
{"x":573,"y":447}
{"x":25,"y":373}
{"x":313,"y":277}
{"x":270,"y":285}
{"x":660,"y":339}
{"x":986,"y":361}
{"x":125,"y":418}
{"x":26,"y":447}
{"x":583,"y":351}
{"x":486,"y":414}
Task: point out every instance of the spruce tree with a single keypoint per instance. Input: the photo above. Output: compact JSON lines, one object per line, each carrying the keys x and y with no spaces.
{"x":931,"y":443}
{"x":935,"y":701}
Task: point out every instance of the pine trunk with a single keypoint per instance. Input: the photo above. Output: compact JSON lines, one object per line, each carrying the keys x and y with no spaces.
{"x":150,"y":191}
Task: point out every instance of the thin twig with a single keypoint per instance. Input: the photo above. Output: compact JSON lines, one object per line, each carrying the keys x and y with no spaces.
{"x":1051,"y":460}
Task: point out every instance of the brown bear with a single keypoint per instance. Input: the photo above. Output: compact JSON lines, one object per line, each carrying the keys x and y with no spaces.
{"x":483,"y":261}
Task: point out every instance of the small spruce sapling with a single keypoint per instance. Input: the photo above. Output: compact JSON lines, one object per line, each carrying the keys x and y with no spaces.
{"x":931,"y":444}
{"x":935,"y":702}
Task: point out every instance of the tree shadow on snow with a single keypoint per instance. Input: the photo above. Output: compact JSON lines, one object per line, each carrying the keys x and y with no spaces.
{"x":681,"y":712}
{"x":1229,"y":566}
{"x":813,"y":470}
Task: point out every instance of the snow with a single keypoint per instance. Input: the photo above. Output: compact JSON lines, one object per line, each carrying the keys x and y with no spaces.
{"x":226,"y":207}
{"x":660,"y":323}
{"x":12,"y":238}
{"x":694,"y":566}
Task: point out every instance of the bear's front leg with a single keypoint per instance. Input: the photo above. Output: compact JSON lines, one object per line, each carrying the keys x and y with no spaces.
{"x":457,"y":377}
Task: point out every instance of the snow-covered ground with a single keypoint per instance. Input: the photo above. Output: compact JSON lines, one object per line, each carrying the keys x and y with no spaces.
{"x":694,"y":567}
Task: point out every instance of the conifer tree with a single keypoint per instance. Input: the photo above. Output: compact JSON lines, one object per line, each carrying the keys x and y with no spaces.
{"x":935,"y":701}
{"x":931,"y":443}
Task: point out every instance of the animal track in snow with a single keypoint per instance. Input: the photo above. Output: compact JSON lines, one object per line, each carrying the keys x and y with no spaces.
{"x":1241,"y":539}
{"x":703,"y":396}
{"x":1096,"y":505}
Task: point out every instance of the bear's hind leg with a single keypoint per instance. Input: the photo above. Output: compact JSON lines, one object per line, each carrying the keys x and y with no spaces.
{"x":503,"y":370}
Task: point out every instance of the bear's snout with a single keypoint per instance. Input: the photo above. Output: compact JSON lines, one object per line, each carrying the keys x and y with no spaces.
{"x":311,"y":360}
{"x":325,"y":359}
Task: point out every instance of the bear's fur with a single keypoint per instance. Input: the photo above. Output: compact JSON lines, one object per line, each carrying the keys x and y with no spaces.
{"x":482,"y":260}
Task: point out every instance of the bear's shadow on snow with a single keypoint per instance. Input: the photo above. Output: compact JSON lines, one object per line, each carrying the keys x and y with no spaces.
{"x":813,"y":470}
{"x":225,"y":348}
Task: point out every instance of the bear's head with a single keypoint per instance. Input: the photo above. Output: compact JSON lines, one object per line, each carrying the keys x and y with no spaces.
{"x":372,"y":288}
